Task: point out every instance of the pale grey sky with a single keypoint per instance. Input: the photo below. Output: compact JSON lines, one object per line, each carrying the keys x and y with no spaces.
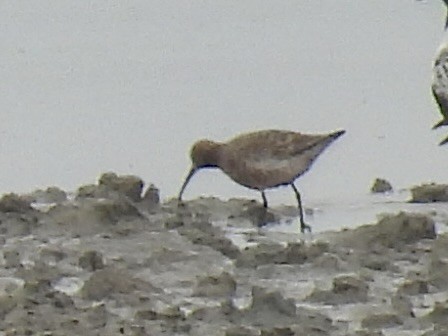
{"x":92,"y":86}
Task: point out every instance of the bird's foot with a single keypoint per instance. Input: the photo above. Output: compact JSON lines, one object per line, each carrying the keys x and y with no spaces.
{"x":181,"y":204}
{"x":305,"y":227}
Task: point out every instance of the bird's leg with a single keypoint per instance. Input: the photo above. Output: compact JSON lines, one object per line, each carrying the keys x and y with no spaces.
{"x":303,"y":226}
{"x":265,"y":200}
{"x":262,"y":213}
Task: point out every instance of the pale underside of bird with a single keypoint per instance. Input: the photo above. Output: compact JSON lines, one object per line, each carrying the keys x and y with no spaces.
{"x":262,"y":160}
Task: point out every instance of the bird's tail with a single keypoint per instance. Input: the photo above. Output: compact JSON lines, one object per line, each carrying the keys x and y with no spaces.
{"x":337,"y":134}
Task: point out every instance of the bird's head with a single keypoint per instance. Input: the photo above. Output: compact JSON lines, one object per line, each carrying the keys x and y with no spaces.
{"x":203,"y":154}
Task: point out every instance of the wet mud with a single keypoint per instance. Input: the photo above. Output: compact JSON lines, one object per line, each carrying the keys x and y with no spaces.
{"x":111,"y":259}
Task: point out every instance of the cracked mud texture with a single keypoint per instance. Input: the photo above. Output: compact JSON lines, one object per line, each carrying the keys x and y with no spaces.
{"x":109,"y":261}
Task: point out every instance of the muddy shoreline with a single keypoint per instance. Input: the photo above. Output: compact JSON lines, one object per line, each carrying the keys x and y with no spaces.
{"x":112,"y":260}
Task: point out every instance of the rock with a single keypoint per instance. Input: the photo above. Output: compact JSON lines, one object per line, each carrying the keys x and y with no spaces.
{"x":299,"y":253}
{"x":292,"y":253}
{"x":52,"y":255}
{"x":89,"y":216}
{"x":429,"y":193}
{"x":225,"y":310}
{"x":128,"y":185}
{"x":376,"y":262}
{"x":311,"y":322}
{"x":204,"y":233}
{"x":49,"y":195}
{"x":165,"y":312}
{"x":11,"y":286}
{"x":242,"y":331}
{"x":381,"y":321}
{"x":414,"y":287}
{"x":92,"y":191}
{"x":438,"y":272}
{"x":7,"y":304}
{"x":261,"y":254}
{"x":161,"y":311}
{"x":439,"y":314}
{"x":37,"y":287}
{"x":406,"y":227}
{"x":440,"y":246}
{"x":212,"y":286}
{"x":12,"y":258}
{"x":402,"y":305}
{"x":173,"y":222}
{"x":350,"y":285}
{"x":39,"y":274}
{"x":113,"y":210}
{"x":380,"y":186}
{"x":272,"y":301}
{"x":91,"y":261}
{"x":346,"y":289}
{"x":392,"y":231}
{"x":61,"y":300}
{"x":439,"y":330}
{"x":258,"y":215}
{"x":112,"y":186}
{"x":14,"y":224}
{"x":278,"y":332}
{"x":368,"y":333}
{"x":11,"y":292}
{"x":15,"y":203}
{"x":96,"y":316}
{"x":111,"y":281}
{"x":137,"y":330}
{"x":151,"y":197}
{"x":329,"y":261}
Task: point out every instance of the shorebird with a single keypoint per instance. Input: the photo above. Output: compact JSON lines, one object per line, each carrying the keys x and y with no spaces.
{"x":262,"y":160}
{"x":439,"y":84}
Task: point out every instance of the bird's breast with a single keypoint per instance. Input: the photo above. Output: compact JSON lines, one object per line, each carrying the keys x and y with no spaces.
{"x":264,"y":174}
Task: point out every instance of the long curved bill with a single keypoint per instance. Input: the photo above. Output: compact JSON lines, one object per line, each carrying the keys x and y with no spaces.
{"x":192,"y":171}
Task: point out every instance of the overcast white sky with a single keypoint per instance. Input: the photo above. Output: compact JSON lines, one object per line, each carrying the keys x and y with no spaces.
{"x":92,"y":86}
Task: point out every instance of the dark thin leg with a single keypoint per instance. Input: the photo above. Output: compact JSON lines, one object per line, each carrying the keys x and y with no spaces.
{"x":265,"y":200}
{"x":303,"y":226}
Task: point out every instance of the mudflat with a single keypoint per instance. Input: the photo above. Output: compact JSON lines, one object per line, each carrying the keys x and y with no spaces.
{"x":111,"y":259}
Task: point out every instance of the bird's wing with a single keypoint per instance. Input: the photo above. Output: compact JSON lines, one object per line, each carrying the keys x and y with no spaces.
{"x":272,"y":144}
{"x":440,"y":82}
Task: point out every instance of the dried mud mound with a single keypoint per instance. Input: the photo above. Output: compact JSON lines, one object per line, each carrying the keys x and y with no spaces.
{"x":429,"y":193}
{"x":112,"y":260}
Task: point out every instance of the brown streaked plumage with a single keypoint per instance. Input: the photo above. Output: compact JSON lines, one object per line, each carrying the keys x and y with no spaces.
{"x":262,"y":160}
{"x":439,"y":86}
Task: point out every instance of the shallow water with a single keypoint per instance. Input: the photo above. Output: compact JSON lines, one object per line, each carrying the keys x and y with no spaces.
{"x":129,"y":86}
{"x":347,"y":213}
